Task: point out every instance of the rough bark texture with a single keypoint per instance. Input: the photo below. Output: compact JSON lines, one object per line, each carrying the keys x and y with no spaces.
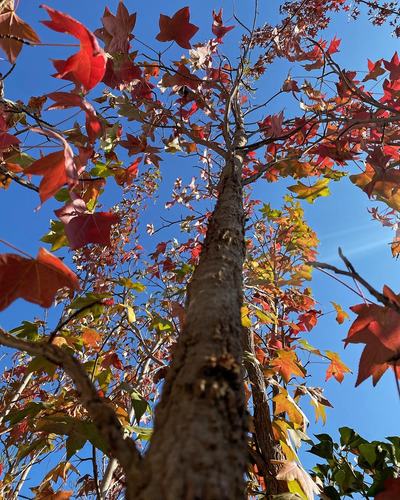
{"x":268,"y":447}
{"x":198,"y":449}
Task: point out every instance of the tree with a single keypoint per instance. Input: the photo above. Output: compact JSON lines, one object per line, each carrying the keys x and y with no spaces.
{"x":212,"y":318}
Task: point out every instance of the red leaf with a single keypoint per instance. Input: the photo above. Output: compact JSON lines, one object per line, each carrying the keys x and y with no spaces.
{"x":87,"y":66}
{"x":82,"y":228}
{"x":218,"y":27}
{"x":11,"y":24}
{"x":392,"y":491}
{"x":57,"y":168}
{"x":117,"y":30}
{"x":177,"y":28}
{"x":333,"y":46}
{"x":35,"y":280}
{"x":65,"y":100}
{"x":6,"y":140}
{"x":52,"y":167}
{"x":121,"y":76}
{"x":375,"y":70}
{"x":394,"y":67}
{"x":379,"y":328}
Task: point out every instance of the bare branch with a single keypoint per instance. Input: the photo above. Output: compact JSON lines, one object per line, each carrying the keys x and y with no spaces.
{"x":351,"y":273}
{"x":102,"y":415}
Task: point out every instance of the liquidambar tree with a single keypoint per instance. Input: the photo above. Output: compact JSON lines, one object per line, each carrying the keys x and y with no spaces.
{"x":198,"y":320}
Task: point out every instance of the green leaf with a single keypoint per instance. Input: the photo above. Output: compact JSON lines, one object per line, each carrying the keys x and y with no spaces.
{"x":56,"y":236}
{"x":42,"y":445}
{"x":28,"y":330}
{"x":63,"y":195}
{"x":350,"y":438}
{"x":142,"y":432}
{"x":39,"y":363}
{"x":104,"y":378}
{"x":324,"y":448}
{"x":21,"y":159}
{"x":139,"y":403}
{"x":74,"y":443}
{"x":91,"y":303}
{"x":101,"y":170}
{"x":128,"y":283}
{"x":331,"y":493}
{"x":31,"y":409}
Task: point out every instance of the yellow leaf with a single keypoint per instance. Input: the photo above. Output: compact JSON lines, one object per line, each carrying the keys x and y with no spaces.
{"x":341,"y":315}
{"x":246,"y":321}
{"x":310,"y":193}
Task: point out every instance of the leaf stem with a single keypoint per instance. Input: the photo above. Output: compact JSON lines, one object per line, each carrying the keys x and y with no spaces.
{"x":16,"y":248}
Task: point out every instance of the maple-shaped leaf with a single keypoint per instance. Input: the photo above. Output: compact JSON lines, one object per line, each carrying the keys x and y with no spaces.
{"x":117,"y":30}
{"x":52,"y":167}
{"x":284,"y":403}
{"x":6,"y":140}
{"x":87,"y":66}
{"x":177,"y":28}
{"x":333,"y":46}
{"x":292,"y":471}
{"x":125,"y":176}
{"x":392,"y":491}
{"x":57,"y":168}
{"x":341,"y":315}
{"x":121,"y":72}
{"x":379,"y":328}
{"x":13,"y":26}
{"x":311,"y":193}
{"x":35,"y":280}
{"x":83,"y":227}
{"x":374,"y":70}
{"x":317,"y":400}
{"x":337,"y":368}
{"x":65,"y":100}
{"x":286,"y":364}
{"x":394,"y":67}
{"x":218,"y":27}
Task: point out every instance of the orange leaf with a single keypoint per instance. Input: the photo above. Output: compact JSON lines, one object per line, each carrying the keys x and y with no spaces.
{"x":336,"y":369}
{"x":286,"y":364}
{"x":341,"y":315}
{"x":87,"y":66}
{"x":35,"y":280}
{"x":284,"y":404}
{"x":11,"y":24}
{"x":177,"y":28}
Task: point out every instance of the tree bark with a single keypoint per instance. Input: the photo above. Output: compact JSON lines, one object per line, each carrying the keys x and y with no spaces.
{"x":198,"y":449}
{"x":268,"y":447}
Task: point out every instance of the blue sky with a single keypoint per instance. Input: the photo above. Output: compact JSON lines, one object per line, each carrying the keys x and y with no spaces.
{"x":339,"y":220}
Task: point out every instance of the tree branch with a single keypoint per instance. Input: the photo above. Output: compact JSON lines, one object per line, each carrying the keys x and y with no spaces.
{"x":18,"y":179}
{"x":102,"y":415}
{"x":351,"y":273}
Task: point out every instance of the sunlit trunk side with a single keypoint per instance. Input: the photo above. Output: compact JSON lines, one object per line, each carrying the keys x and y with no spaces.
{"x":198,"y":449}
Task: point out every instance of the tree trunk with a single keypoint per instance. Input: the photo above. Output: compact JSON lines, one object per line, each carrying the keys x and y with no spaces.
{"x":198,"y":449}
{"x":268,"y":448}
